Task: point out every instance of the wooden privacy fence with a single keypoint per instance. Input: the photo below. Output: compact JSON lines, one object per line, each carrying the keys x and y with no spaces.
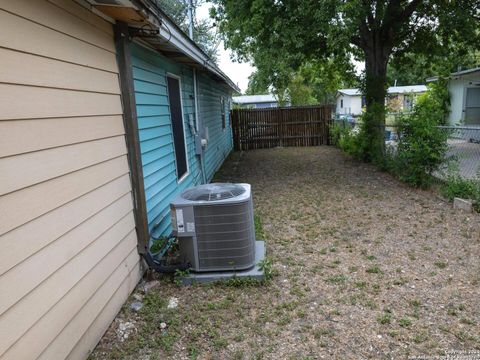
{"x":286,"y":126}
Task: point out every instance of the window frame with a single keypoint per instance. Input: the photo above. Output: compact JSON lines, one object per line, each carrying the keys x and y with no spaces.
{"x":223,"y":113}
{"x":185,"y":175}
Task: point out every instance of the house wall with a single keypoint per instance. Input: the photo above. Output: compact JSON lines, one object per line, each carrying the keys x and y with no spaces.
{"x":457,"y":89}
{"x":155,"y":130}
{"x":220,"y":141}
{"x":352,"y":105}
{"x":265,"y":105}
{"x":69,"y":248}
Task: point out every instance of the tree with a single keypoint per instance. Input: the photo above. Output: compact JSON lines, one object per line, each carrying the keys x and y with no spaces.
{"x":314,"y":82}
{"x":203,"y":35}
{"x":374,"y":31}
{"x":413,"y":68}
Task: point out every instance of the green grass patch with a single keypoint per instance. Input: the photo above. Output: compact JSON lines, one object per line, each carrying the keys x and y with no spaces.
{"x":374,"y":270}
{"x":336,"y":279}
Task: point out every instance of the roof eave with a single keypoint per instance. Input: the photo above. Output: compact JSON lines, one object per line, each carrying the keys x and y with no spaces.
{"x":171,"y":34}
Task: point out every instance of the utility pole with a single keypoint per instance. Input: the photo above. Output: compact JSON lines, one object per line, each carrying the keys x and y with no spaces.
{"x":190,"y":19}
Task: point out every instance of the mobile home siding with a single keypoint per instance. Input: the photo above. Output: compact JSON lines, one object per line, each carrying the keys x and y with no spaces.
{"x":69,"y":258}
{"x":220,"y":141}
{"x":150,"y":70}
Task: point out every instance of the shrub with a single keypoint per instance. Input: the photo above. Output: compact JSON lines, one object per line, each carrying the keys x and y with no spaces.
{"x":348,"y":139}
{"x":456,"y":186}
{"x":422,"y":146}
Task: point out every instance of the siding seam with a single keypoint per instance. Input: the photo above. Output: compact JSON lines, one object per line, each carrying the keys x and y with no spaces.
{"x":58,"y":31}
{"x":86,"y":274}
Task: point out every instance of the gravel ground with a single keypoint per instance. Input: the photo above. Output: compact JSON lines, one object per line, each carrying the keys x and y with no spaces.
{"x":365,"y":267}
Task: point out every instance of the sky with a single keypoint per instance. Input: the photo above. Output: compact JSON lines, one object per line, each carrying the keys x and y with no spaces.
{"x":238,"y":72}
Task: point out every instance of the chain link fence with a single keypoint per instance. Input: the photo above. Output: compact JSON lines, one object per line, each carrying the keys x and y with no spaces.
{"x":464,"y":149}
{"x":463,"y":155}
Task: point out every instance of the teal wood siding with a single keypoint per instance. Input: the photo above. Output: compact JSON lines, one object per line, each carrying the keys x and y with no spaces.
{"x":220,"y":142}
{"x":150,"y":70}
{"x":155,"y":131}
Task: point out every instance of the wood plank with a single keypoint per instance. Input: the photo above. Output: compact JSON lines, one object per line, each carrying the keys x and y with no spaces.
{"x":27,"y":69}
{"x":84,"y":13}
{"x":28,"y":102}
{"x":17,"y":33}
{"x":28,"y":274}
{"x":54,"y":17}
{"x":19,"y":207}
{"x":20,"y":171}
{"x":63,"y":295}
{"x":101,"y":323}
{"x":291,"y":126}
{"x":132,"y":137}
{"x":45,"y":229}
{"x":21,"y":136}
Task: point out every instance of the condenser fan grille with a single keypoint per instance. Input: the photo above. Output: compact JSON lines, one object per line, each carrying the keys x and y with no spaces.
{"x":213,"y":192}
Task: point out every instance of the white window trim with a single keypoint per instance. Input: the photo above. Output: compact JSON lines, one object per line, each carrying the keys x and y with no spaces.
{"x":184,"y":176}
{"x":223,"y":104}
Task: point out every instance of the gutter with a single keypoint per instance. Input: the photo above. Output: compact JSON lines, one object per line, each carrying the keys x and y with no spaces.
{"x":170,"y":32}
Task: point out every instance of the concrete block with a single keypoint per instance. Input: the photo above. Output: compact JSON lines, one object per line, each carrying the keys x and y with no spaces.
{"x":462,"y":204}
{"x":253,"y":273}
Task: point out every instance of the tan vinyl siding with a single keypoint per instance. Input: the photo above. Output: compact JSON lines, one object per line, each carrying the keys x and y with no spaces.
{"x":67,"y":231}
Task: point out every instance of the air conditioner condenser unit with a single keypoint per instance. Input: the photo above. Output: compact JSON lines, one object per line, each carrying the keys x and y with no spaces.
{"x":215,"y":227}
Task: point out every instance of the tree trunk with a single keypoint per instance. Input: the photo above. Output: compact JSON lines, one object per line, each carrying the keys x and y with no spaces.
{"x":376,"y":60}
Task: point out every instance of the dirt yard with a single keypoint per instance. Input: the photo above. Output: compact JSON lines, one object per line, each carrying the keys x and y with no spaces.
{"x":365,"y":267}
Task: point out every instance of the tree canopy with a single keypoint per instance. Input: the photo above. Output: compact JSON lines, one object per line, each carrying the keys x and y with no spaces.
{"x":203,"y":33}
{"x":279,"y":34}
{"x":314,"y":82}
{"x":414,"y":68}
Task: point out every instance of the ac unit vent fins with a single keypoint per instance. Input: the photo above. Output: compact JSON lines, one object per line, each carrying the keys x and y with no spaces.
{"x":213,"y":192}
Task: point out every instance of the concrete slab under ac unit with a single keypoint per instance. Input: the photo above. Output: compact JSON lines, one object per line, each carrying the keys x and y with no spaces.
{"x":253,"y":273}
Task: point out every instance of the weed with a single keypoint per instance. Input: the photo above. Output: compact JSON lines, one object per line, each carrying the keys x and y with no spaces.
{"x":266,"y":265}
{"x":384,"y":319}
{"x":374,"y":270}
{"x":400,"y":281}
{"x":238,"y":355}
{"x":456,"y":186}
{"x":220,"y":343}
{"x":336,"y":279}
{"x":360,"y":285}
{"x":371,"y":257}
{"x":405,"y":322}
{"x":179,"y":275}
{"x":193,"y":352}
{"x":421,"y":337}
{"x":467,"y":321}
{"x":259,"y":232}
{"x":319,"y":332}
{"x":452,"y":312}
{"x":440,"y":264}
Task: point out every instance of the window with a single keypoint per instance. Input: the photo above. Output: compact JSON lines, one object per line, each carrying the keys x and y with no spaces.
{"x":341,"y":103}
{"x":175,"y":102}
{"x":222,"y":106}
{"x":472,"y":106}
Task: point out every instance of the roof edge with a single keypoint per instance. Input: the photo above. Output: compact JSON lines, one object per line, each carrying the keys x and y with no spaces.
{"x":179,"y":39}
